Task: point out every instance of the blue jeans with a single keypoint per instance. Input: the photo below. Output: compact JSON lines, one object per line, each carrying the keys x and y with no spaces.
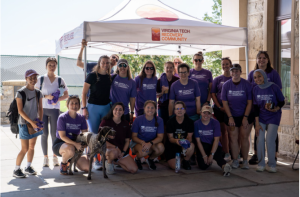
{"x":96,"y":113}
{"x":24,"y":135}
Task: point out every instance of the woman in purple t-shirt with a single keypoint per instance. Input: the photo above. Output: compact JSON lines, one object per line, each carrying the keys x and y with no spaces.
{"x":219,"y":111}
{"x":237,"y":101}
{"x":203,"y":77}
{"x":268,"y":100}
{"x":146,"y":84}
{"x":263,"y":62}
{"x":69,"y":125}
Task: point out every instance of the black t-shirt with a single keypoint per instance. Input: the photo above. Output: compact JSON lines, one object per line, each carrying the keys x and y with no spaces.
{"x":158,"y":89}
{"x":99,"y":91}
{"x":179,"y":131}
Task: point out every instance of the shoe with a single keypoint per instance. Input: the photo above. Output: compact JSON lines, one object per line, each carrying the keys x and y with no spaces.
{"x":19,"y":173}
{"x":151,"y":164}
{"x":46,"y":162}
{"x":55,"y":161}
{"x":97,"y":165}
{"x":227,"y":157}
{"x":226,"y":170}
{"x":245,"y":165}
{"x":240,"y":159}
{"x":260,"y":168}
{"x":193,"y":160}
{"x":143,"y":160}
{"x":235,"y":164}
{"x":64,"y":168}
{"x":253,"y":160}
{"x":109,"y":167}
{"x":138,"y":163}
{"x":30,"y":170}
{"x":186,"y":165}
{"x":271,"y":169}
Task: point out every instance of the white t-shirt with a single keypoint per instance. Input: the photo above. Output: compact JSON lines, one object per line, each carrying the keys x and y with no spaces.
{"x":49,"y":88}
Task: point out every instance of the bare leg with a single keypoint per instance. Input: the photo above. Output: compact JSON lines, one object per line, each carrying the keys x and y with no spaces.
{"x":245,"y":141}
{"x":67,"y":151}
{"x":128,"y":164}
{"x":157,"y":150}
{"x":30,"y":152}
{"x":234,"y":145}
{"x":224,"y":138}
{"x":22,"y":153}
{"x":83,"y":163}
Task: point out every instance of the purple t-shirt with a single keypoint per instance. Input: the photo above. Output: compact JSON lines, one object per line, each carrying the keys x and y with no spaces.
{"x":260,"y":98}
{"x":237,"y":96}
{"x":122,"y":90}
{"x":206,"y":133}
{"x":146,"y":129}
{"x":146,"y":91}
{"x":273,"y":76}
{"x":71,"y":126}
{"x":203,"y":77}
{"x":186,"y":93}
{"x":217,"y":86}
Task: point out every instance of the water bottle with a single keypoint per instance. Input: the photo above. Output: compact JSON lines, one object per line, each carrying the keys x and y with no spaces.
{"x":177,"y":165}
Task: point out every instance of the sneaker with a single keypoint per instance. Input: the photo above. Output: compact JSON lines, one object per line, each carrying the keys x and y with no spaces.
{"x":245,"y":165}
{"x":46,"y":162}
{"x":227,"y":157}
{"x":55,"y":161}
{"x":271,"y":169}
{"x":226,"y":169}
{"x":151,"y":164}
{"x":143,"y":160}
{"x":235,"y":164}
{"x":138,"y":163}
{"x":253,"y":160}
{"x":64,"y":168}
{"x":97,"y":165}
{"x":260,"y":168}
{"x":109,"y":168}
{"x":186,"y":165}
{"x":30,"y":170}
{"x":19,"y":173}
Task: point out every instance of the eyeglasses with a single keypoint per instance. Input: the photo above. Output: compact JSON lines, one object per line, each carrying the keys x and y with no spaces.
{"x":149,"y":68}
{"x":196,"y":60}
{"x":183,"y":73}
{"x":123,"y":65}
{"x":179,"y":108}
{"x":177,"y":62}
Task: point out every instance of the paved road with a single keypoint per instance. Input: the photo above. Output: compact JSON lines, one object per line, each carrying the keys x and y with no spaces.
{"x":162,"y":182}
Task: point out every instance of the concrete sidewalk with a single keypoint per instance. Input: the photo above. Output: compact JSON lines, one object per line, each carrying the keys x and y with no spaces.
{"x":162,"y":182}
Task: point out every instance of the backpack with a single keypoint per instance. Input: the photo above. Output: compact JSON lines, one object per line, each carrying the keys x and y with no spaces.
{"x":13,"y":114}
{"x":42,"y":80}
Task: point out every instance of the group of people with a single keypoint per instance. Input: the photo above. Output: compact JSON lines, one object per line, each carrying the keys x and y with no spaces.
{"x":169,"y":110}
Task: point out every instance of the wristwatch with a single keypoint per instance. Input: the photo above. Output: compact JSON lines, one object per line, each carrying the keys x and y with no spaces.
{"x":132,"y":112}
{"x":212,"y":154}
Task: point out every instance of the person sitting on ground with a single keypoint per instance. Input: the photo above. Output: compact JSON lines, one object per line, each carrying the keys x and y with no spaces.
{"x":117,"y":148}
{"x":147,"y":136}
{"x":179,"y":127}
{"x":69,"y":125}
{"x":207,"y":133}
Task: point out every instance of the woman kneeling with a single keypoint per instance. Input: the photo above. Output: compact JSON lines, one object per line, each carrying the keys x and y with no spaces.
{"x":117,"y":148}
{"x":69,"y":125}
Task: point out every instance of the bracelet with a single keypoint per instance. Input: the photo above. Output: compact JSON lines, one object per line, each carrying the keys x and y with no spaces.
{"x":230,"y":117}
{"x":132,"y":112}
{"x":204,"y":156}
{"x":84,"y":108}
{"x":246,"y":116}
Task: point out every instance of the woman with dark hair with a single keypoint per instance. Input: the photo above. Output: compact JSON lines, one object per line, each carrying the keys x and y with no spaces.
{"x":268,"y":101}
{"x":186,"y":90}
{"x":146,"y":87}
{"x":263,"y":62}
{"x":123,"y":88}
{"x":117,"y":148}
{"x":69,"y":125}
{"x":164,"y":86}
{"x":236,"y":97}
{"x":147,"y":136}
{"x":99,"y":83}
{"x":203,"y":77}
{"x":49,"y":83}
{"x":219,"y":111}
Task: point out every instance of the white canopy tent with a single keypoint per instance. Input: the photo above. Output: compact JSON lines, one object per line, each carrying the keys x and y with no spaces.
{"x":153,"y":28}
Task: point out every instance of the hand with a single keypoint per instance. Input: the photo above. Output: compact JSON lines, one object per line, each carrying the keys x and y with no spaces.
{"x":49,"y":97}
{"x":78,"y":146}
{"x":272,"y":110}
{"x":33,"y":124}
{"x":54,"y":103}
{"x":231,"y":122}
{"x":257,"y":128}
{"x":131,"y":118}
{"x":83,"y":43}
{"x":205,"y":160}
{"x":85,"y":113}
{"x":146,"y":147}
{"x":210,"y":160}
{"x":245,"y":122}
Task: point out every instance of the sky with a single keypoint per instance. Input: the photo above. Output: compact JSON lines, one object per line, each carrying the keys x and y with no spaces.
{"x":30,"y":27}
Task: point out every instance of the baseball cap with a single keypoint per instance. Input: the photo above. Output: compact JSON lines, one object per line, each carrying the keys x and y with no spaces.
{"x":207,"y":108}
{"x":30,"y":72}
{"x":236,"y":67}
{"x":122,"y":61}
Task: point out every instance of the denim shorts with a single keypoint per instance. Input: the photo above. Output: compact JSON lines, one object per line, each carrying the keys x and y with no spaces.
{"x":24,"y":135}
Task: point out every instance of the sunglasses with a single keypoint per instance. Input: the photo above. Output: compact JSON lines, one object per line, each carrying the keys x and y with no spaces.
{"x":149,"y":68}
{"x":123,"y":65}
{"x":196,"y":60}
{"x":115,"y":58}
{"x":179,"y":108}
{"x":177,"y":62}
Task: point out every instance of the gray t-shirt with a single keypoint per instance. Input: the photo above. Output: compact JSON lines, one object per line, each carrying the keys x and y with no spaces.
{"x":30,"y":107}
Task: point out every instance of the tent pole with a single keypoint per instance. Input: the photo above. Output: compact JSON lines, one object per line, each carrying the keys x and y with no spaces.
{"x":247,"y":58}
{"x":85,"y":62}
{"x":179,"y":51}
